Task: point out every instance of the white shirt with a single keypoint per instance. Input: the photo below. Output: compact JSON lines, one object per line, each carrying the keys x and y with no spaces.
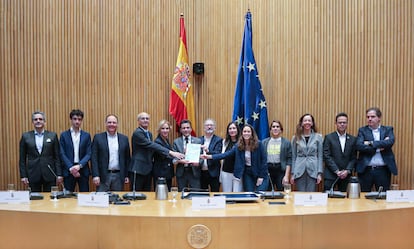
{"x":113,"y":152}
{"x":377,"y":160}
{"x":76,"y":141}
{"x":39,"y":140}
{"x":342,"y":140}
{"x":207,"y":144}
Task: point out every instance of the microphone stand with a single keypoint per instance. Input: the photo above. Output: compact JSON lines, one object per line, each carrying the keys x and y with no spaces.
{"x":331,"y":192}
{"x":271,"y":184}
{"x":64,"y":193}
{"x":379,"y":193}
{"x":134,"y":196}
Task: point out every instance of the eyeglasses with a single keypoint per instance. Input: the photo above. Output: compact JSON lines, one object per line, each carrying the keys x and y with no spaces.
{"x":38,"y":119}
{"x":144,"y":118}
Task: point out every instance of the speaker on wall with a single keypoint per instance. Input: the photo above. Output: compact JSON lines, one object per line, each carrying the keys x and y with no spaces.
{"x":198,"y":68}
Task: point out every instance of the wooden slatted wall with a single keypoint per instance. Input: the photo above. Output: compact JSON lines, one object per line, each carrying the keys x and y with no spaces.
{"x":118,"y":56}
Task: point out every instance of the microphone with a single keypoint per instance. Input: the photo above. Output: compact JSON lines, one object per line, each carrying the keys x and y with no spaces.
{"x":271,"y":184}
{"x":379,"y":193}
{"x":64,"y":193}
{"x":134,"y":196}
{"x":194,"y":192}
{"x":334,"y":194}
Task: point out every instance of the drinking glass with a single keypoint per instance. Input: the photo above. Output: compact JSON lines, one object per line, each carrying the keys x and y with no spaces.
{"x":11,"y":187}
{"x":395,"y":186}
{"x":287,"y":188}
{"x":54,"y":190}
{"x":174,"y":192}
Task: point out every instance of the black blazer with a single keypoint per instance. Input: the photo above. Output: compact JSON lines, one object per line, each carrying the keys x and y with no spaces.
{"x":100,"y":155}
{"x":142,"y":152}
{"x":333,"y":156}
{"x":163,"y":165}
{"x":366,"y":152}
{"x":33,"y":165}
{"x":215,"y":147}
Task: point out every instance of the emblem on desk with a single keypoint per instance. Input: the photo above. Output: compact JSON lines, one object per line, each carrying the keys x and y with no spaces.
{"x":199,"y":236}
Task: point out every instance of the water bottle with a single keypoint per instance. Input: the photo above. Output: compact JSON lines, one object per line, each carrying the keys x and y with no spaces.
{"x":161,"y":190}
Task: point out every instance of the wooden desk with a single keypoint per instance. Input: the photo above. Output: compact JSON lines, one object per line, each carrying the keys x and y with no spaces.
{"x":343,"y":223}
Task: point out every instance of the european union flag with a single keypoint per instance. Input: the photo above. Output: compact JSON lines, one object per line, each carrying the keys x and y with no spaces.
{"x":249,"y":101}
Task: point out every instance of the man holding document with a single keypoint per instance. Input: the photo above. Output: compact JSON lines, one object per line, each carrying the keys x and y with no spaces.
{"x":187,"y":170}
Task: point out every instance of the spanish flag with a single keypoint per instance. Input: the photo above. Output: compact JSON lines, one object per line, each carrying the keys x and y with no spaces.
{"x":182,"y":91}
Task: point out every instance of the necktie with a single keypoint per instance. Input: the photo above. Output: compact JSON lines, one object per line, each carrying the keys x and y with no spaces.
{"x":148,"y":136}
{"x":186,"y":142}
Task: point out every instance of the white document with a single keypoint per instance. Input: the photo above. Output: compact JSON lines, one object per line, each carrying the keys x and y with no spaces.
{"x":400,"y":196}
{"x":192,"y":153}
{"x":203,"y":203}
{"x":311,"y":199}
{"x":14,"y":197}
{"x":93,"y":200}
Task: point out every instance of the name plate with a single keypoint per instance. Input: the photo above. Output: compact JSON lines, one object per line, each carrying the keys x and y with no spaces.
{"x":311,"y":199}
{"x":400,"y":196}
{"x":203,"y":203}
{"x":13,"y":197}
{"x":93,"y":200}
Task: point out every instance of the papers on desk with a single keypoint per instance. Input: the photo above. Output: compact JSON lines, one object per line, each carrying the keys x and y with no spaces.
{"x":400,"y":196}
{"x":98,"y":199}
{"x":311,"y":199}
{"x":192,"y":153}
{"x":14,"y":197}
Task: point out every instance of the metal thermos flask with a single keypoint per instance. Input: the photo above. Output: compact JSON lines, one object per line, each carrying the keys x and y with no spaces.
{"x":354,"y":189}
{"x":161,"y":190}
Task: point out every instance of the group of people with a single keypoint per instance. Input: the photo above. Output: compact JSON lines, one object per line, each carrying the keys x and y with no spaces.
{"x":239,"y":162}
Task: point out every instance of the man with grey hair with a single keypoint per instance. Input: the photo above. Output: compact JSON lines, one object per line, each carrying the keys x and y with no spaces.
{"x":210,"y":169}
{"x":39,"y":158}
{"x":143,"y":149}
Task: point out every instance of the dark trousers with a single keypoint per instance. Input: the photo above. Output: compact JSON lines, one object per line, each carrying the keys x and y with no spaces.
{"x":207,"y":181}
{"x":82,"y":181}
{"x":142,"y":182}
{"x":249,"y":181}
{"x":276,"y":175}
{"x":113,"y":182}
{"x":378,"y":176}
{"x":341,"y":184}
{"x":41,"y":186}
{"x":188,"y":180}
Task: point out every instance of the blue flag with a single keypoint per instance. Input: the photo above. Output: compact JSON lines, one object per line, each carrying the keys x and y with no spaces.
{"x":249,"y":101}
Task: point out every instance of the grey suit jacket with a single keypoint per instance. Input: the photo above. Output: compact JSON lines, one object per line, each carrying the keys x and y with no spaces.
{"x":307,"y":156}
{"x":333,"y":156}
{"x":285,"y":152}
{"x":33,"y":165}
{"x":179,"y":146}
{"x":143,"y":151}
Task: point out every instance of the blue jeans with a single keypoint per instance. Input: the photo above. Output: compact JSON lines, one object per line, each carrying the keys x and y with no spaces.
{"x":249,"y":181}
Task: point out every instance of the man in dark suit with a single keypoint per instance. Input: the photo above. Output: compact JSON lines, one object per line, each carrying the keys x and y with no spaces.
{"x":187,"y":174}
{"x":376,"y":161}
{"x":39,"y":156}
{"x":75,"y":152}
{"x":339,"y":153}
{"x":110,"y":157}
{"x":143,"y":149}
{"x":210,"y":169}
